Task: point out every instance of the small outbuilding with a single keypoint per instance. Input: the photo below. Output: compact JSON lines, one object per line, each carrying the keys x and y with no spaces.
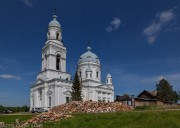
{"x":147,"y":98}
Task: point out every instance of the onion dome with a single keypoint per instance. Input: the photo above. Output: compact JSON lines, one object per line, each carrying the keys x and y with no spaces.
{"x":108,"y":75}
{"x":89,"y":57}
{"x":54,"y":22}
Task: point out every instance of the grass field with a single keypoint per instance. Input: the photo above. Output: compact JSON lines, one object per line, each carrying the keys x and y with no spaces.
{"x":11,"y":118}
{"x":151,"y":119}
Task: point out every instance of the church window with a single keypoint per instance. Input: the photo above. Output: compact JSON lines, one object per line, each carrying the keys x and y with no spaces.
{"x":97,"y":74}
{"x":33,"y":102}
{"x":91,"y":75}
{"x":45,"y":62}
{"x":107,"y":81}
{"x":111,"y":80}
{"x":49,"y":102}
{"x":86,"y":75}
{"x":80,"y":74}
{"x":58,"y":59}
{"x":67,"y":99}
{"x":57,"y":36}
{"x":40,"y":95}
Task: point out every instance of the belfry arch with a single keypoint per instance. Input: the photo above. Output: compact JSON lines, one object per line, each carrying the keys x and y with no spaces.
{"x":58,"y":62}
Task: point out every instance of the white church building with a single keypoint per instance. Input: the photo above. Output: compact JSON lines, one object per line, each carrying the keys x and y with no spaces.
{"x":53,"y":84}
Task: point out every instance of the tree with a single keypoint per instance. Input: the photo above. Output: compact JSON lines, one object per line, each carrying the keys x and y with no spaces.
{"x":76,"y":89}
{"x":175,"y":97}
{"x":165,"y":92}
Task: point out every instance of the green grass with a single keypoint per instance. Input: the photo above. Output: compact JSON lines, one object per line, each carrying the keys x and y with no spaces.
{"x":11,"y":118}
{"x":135,"y":119}
{"x":163,"y":107}
{"x":168,"y":119}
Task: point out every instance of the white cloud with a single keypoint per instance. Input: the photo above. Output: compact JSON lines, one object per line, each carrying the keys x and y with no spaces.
{"x":173,"y":79}
{"x":8,"y":76}
{"x":114,"y":25}
{"x":160,"y":22}
{"x":165,"y":16}
{"x":153,"y":79}
{"x":28,"y":3}
{"x":125,"y":81}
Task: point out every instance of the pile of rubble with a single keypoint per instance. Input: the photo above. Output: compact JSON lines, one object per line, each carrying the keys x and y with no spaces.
{"x":91,"y":107}
{"x":47,"y":117}
{"x":62,"y":111}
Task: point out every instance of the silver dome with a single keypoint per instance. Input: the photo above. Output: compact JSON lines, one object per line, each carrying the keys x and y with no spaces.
{"x":89,"y":57}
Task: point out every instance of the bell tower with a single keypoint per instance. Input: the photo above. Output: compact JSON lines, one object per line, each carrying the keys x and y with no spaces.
{"x":53,"y":54}
{"x":54,"y":30}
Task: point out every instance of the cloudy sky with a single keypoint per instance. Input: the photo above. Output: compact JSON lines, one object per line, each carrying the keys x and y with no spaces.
{"x":137,"y":40}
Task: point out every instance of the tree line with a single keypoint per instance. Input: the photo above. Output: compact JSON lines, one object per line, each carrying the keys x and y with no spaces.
{"x":24,"y":108}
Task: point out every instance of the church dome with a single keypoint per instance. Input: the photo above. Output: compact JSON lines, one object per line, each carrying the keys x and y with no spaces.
{"x":89,"y":57}
{"x":54,"y":22}
{"x":109,"y":75}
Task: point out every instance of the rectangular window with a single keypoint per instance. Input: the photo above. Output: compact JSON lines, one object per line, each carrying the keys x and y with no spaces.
{"x":97,"y":74}
{"x":49,"y":102}
{"x":67,"y":99}
{"x":33,"y":102}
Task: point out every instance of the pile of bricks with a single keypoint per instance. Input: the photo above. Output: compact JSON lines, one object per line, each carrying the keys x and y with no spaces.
{"x":47,"y":117}
{"x":91,"y":107}
{"x":62,"y":111}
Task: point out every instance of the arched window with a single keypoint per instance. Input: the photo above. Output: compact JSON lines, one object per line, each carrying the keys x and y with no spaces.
{"x":45,"y":62}
{"x":97,"y":74}
{"x":107,"y":81}
{"x":50,"y":102}
{"x":58,"y":62}
{"x":57,"y":36}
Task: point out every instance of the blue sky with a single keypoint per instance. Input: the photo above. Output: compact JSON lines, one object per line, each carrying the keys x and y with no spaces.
{"x":138,"y":40}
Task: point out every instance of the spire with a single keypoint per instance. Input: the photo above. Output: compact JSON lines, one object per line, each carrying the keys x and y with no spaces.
{"x":55,"y":11}
{"x":54,"y":22}
{"x":55,"y":14}
{"x":108,"y":71}
{"x":54,"y":30}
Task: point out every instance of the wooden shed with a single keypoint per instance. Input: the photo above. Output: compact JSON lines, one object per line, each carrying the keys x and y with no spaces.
{"x":146,"y":98}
